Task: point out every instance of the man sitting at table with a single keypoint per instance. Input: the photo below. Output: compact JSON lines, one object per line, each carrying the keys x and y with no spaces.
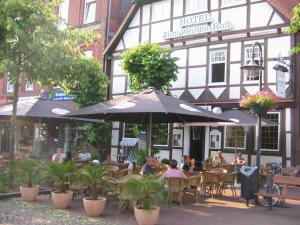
{"x":173,"y":171}
{"x":83,"y":156}
{"x":147,"y":168}
{"x":218,"y":159}
{"x":239,"y":160}
{"x":59,"y":156}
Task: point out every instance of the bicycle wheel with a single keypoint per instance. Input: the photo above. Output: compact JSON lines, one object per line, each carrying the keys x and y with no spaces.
{"x":264,"y":201}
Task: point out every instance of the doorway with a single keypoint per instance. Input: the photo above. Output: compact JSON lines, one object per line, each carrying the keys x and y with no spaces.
{"x":197,"y":144}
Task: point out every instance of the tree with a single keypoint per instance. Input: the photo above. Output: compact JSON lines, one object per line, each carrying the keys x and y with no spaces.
{"x":88,"y":84}
{"x":295,"y":27}
{"x":32,"y":46}
{"x":149,"y":65}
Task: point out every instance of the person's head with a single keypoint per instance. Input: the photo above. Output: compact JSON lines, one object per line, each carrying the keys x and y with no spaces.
{"x":219,"y":153}
{"x":186,"y":159}
{"x":151,"y":161}
{"x":173,"y":164}
{"x":81,"y":149}
{"x":193,"y":162}
{"x":59,"y":150}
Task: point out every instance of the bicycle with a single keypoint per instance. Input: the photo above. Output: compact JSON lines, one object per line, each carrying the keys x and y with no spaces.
{"x":269,"y":187}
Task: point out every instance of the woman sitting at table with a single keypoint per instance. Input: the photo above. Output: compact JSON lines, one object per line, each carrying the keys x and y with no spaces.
{"x":218,"y":159}
{"x":173,"y":171}
{"x":83,"y":156}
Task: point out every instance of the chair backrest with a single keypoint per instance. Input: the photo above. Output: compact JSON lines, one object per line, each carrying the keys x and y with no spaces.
{"x":175,"y":184}
{"x":229,"y":177}
{"x":218,"y":170}
{"x":228,"y":167}
{"x":207,"y":166}
{"x":209,"y":177}
{"x":111,"y":167}
{"x":193,"y":180}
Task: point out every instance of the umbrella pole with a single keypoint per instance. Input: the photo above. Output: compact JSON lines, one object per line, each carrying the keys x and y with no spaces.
{"x":235,"y":150}
{"x":150,"y":135}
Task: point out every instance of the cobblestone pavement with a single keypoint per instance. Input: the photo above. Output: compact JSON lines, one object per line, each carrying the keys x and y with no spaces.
{"x":16,"y":212}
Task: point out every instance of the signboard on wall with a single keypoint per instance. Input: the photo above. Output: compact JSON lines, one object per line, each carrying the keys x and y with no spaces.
{"x":197,"y":24}
{"x":280,"y":84}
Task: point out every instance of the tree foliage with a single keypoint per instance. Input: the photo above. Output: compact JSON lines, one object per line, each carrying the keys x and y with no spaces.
{"x":88,"y":84}
{"x":295,"y":27}
{"x":149,"y":65}
{"x":32,"y":46}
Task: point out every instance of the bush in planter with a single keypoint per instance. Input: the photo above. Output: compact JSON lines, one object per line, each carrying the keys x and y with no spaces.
{"x":61,"y":175}
{"x":3,"y":183}
{"x":145,"y":195}
{"x":93,"y":176}
{"x":29,"y":173}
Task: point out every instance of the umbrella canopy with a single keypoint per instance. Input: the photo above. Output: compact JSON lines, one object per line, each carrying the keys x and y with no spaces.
{"x":146,"y":107}
{"x":237,"y":118}
{"x":35,"y":107}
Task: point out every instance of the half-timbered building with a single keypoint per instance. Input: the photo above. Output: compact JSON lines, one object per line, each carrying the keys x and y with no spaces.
{"x":212,"y":40}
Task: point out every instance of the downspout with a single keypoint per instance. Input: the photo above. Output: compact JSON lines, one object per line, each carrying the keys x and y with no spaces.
{"x":107,"y":31}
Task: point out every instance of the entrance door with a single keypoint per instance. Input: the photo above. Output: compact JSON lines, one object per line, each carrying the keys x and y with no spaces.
{"x":197,"y":144}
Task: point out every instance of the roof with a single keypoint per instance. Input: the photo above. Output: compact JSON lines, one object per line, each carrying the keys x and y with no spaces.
{"x":284,"y":7}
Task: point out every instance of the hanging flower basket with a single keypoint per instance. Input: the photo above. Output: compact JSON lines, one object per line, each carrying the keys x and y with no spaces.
{"x":259,"y":103}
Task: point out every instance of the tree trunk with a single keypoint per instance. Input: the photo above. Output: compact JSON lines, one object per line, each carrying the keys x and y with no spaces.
{"x":13,"y":120}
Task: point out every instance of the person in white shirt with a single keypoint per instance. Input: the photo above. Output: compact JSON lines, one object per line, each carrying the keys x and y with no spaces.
{"x":59,"y":156}
{"x":83,"y":156}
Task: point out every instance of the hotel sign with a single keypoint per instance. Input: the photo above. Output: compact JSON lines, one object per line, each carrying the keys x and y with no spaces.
{"x":197,"y":24}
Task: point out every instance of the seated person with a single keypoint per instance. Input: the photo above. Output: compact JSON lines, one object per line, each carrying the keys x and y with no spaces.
{"x":218,"y":159}
{"x":186,"y":164}
{"x":173,"y":171}
{"x":239,"y":160}
{"x":83,"y":156}
{"x":58,"y":157}
{"x":147,"y":168}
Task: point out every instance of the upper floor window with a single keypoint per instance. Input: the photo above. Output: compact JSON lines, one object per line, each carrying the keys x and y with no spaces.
{"x":218,"y":66}
{"x":161,"y":10}
{"x":225,"y":3}
{"x":194,"y":6}
{"x":89,"y":11}
{"x":88,"y":53}
{"x":63,"y":12}
{"x":251,"y":75}
{"x":9,"y":84}
{"x":160,"y":134}
{"x":28,"y":85}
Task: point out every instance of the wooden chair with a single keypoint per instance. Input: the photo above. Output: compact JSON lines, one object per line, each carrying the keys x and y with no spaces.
{"x":192,"y":184}
{"x":210,"y":182}
{"x":112,"y":170}
{"x":228,"y":167}
{"x":218,"y":170}
{"x":175,"y":186}
{"x":207,"y":166}
{"x":228,"y":180}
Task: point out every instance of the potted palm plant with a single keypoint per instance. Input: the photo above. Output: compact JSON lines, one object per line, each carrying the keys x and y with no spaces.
{"x":28,"y":174}
{"x":144,"y":194}
{"x":93,"y":176}
{"x":61,"y":176}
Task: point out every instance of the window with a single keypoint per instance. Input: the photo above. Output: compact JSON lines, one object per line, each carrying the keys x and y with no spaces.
{"x":270,"y":135}
{"x":132,"y":130}
{"x":63,"y":12}
{"x":161,"y":10}
{"x":235,"y":137}
{"x":160,"y":134}
{"x":28,"y":85}
{"x":89,"y":11}
{"x":251,"y":75}
{"x":88,"y":53}
{"x":194,"y":6}
{"x":226,"y":3}
{"x":217,"y":66}
{"x":9,"y":84}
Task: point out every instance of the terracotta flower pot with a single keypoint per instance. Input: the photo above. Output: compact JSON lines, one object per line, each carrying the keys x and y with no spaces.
{"x":62,"y":200}
{"x":29,"y":193}
{"x":93,"y":207}
{"x":146,"y":217}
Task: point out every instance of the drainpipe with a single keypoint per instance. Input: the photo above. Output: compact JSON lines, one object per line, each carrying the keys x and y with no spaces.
{"x":107,"y":30}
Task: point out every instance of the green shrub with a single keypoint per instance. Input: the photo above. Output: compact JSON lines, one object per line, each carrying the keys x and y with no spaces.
{"x":3,"y":182}
{"x":141,"y":157}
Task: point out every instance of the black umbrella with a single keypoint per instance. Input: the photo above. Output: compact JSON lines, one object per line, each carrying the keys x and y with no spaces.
{"x":147,"y":107}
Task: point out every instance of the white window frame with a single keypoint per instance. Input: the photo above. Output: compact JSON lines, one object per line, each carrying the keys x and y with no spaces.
{"x":88,"y":3}
{"x":227,"y":3}
{"x":159,"y":11}
{"x":279,"y":134}
{"x":29,"y":86}
{"x":63,"y":12}
{"x":210,"y":68}
{"x":246,"y":61}
{"x":225,"y":137}
{"x":9,"y":85}
{"x":157,"y":145}
{"x":88,"y":53}
{"x":196,"y":6}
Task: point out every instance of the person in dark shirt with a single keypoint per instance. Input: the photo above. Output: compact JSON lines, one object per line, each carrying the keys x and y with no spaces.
{"x":147,"y":168}
{"x":186,"y":164}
